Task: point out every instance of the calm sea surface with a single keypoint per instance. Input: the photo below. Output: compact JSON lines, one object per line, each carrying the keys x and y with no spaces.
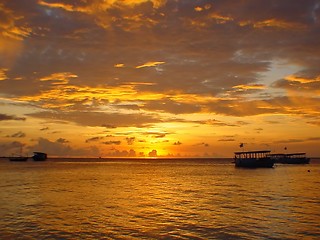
{"x":157,"y":199}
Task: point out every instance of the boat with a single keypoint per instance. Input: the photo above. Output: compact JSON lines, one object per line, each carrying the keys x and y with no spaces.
{"x":254,"y":159}
{"x":18,"y":159}
{"x":290,"y":158}
{"x":39,"y":156}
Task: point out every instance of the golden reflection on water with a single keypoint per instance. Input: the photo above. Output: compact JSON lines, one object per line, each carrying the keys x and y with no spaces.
{"x":159,"y":199}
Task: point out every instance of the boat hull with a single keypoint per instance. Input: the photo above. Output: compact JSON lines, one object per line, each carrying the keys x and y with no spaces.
{"x":293,"y":160}
{"x":254,"y":162}
{"x":18,"y":159}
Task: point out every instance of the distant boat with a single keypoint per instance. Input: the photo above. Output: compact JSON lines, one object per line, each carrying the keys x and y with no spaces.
{"x":18,"y":159}
{"x":290,"y":158}
{"x":39,"y":156}
{"x":253,"y":159}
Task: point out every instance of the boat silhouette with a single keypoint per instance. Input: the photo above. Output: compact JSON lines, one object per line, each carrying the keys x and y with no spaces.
{"x":253,"y":159}
{"x":290,"y":158}
{"x":39,"y":156}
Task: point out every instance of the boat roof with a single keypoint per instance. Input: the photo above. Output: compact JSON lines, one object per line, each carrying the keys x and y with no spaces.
{"x":260,"y":151}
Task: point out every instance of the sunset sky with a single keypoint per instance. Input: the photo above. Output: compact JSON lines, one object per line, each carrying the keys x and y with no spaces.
{"x":178,"y":78}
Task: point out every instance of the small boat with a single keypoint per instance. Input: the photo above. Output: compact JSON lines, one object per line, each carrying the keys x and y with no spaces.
{"x":18,"y":159}
{"x":39,"y":156}
{"x":253,"y":159}
{"x":290,"y":158}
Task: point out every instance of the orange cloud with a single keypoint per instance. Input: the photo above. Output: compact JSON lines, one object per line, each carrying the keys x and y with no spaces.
{"x":220,"y":19}
{"x":59,"y":78}
{"x":3,"y":74}
{"x":250,"y":87}
{"x":9,"y":26}
{"x":17,"y":33}
{"x":64,"y":6}
{"x":150,"y":64}
{"x":277,"y":23}
{"x":95,"y":6}
{"x":302,"y":80}
{"x":155,"y":3}
{"x":198,"y":9}
{"x":127,"y":20}
{"x":206,"y":20}
{"x":61,"y":95}
{"x":309,"y":83}
{"x":119,"y":65}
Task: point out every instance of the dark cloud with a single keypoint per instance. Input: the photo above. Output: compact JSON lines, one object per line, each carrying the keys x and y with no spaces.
{"x":100,"y":119}
{"x":62,"y":140}
{"x":202,"y":144}
{"x":153,"y":153}
{"x":93,"y":139}
{"x":7,"y":149}
{"x":177,"y":143}
{"x":60,"y":148}
{"x":5,"y":117}
{"x":215,"y":122}
{"x":284,"y":105}
{"x":290,"y":141}
{"x":132,"y":153}
{"x":156,"y":134}
{"x":167,"y":105}
{"x":112,"y":142}
{"x":123,"y":153}
{"x":18,"y":135}
{"x":195,"y":62}
{"x":108,"y":126}
{"x":226,"y":140}
{"x":314,"y":122}
{"x":205,"y":65}
{"x":129,"y":106}
{"x":314,"y":139}
{"x":130,"y":140}
{"x":308,"y":81}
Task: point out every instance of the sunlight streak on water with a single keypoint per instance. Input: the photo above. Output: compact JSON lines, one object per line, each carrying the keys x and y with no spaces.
{"x":158,"y":200}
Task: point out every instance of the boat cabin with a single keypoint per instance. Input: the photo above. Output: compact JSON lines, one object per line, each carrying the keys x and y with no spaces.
{"x":252,"y":154}
{"x":253,"y":159}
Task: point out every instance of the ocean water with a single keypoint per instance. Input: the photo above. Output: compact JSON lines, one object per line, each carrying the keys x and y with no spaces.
{"x":157,"y":199}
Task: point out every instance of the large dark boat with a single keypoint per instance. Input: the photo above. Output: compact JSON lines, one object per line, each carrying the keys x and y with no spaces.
{"x":39,"y":156}
{"x":253,"y":159}
{"x":290,"y":158}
